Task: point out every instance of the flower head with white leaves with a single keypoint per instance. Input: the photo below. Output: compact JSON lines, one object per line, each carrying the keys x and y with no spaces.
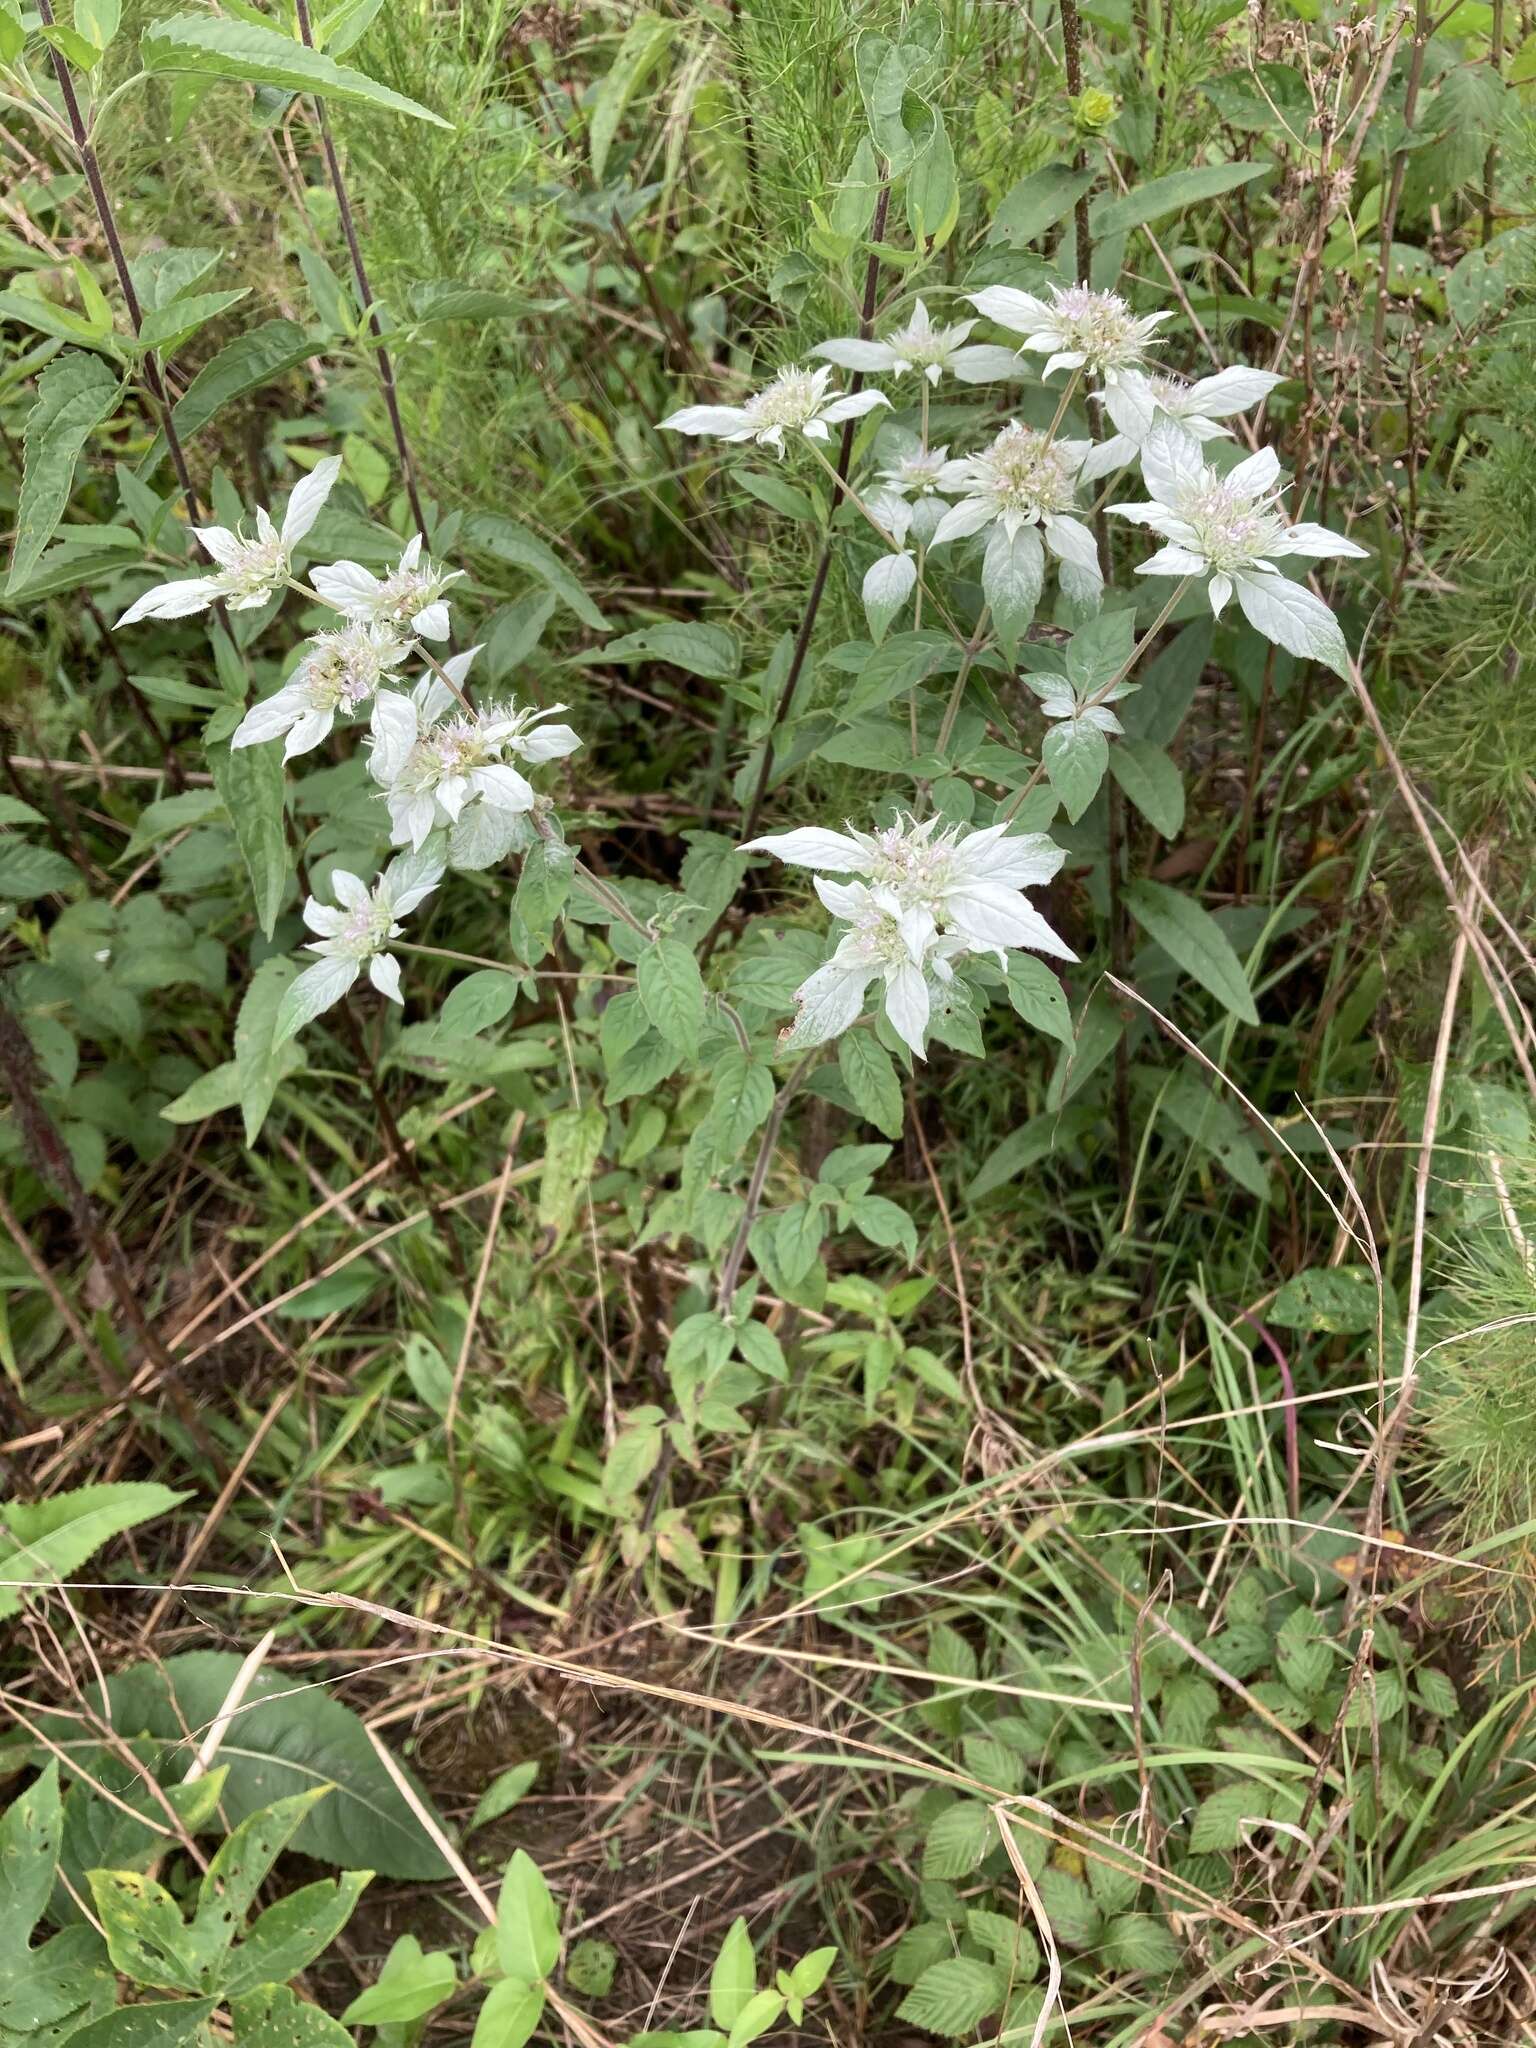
{"x":796,"y":402}
{"x":1077,"y":329}
{"x":934,"y":352}
{"x":409,"y":600}
{"x":1026,"y":480}
{"x":438,"y":758}
{"x":355,"y":935}
{"x":886,"y":942}
{"x":929,"y":895}
{"x":1136,"y":405}
{"x":1060,"y":699}
{"x":338,"y":674}
{"x":1230,"y":531}
{"x":251,"y":569}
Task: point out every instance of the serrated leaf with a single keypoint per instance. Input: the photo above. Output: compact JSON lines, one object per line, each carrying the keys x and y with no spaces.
{"x":743,"y":1098}
{"x":28,"y":871}
{"x":48,"y":1539}
{"x":1191,"y":937}
{"x":573,"y":1141}
{"x":958,"y":1840}
{"x":713,"y":652}
{"x":869,"y":1074}
{"x":1220,"y":1817}
{"x":203,"y":46}
{"x":251,"y":360}
{"x":1141,"y":1942}
{"x":1075,"y":754}
{"x":953,"y":1997}
{"x":74,"y":395}
{"x":672,"y":994}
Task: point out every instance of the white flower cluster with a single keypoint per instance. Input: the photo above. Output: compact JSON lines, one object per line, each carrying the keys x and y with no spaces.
{"x":1021,"y":495}
{"x":929,"y":895}
{"x":444,"y":766}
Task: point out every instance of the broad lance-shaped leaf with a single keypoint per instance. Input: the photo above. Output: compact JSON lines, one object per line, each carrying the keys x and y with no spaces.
{"x":282,"y":1742}
{"x":645,"y":40}
{"x":74,"y":395}
{"x":672,"y":993}
{"x":250,"y":781}
{"x":251,"y":360}
{"x":1189,"y":935}
{"x":206,"y":47}
{"x":260,"y":1063}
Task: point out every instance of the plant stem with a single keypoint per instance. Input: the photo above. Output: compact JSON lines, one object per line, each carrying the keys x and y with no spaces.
{"x":973,"y":647}
{"x":365,"y":293}
{"x":1072,"y":59}
{"x":730,"y":1272}
{"x":753,"y":810}
{"x":49,"y":1156}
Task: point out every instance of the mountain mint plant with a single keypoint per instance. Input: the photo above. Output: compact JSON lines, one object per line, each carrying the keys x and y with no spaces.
{"x":994,"y":710}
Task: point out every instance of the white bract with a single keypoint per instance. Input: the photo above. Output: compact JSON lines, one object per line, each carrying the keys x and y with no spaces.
{"x":409,"y":600}
{"x":932,"y":351}
{"x":355,"y":935}
{"x":438,"y":758}
{"x":340,"y":672}
{"x":250,"y":570}
{"x":885,"y":942}
{"x":1230,"y":531}
{"x":929,"y":894}
{"x":1076,"y":329}
{"x":1136,"y":405}
{"x":796,"y":402}
{"x":1060,"y":699}
{"x":1023,"y":487}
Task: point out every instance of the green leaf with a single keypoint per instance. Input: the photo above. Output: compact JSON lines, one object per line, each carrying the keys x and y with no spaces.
{"x":869,"y":1074}
{"x":167,"y":327}
{"x":1141,"y":1942}
{"x":953,"y":1997}
{"x":512,"y":543}
{"x":811,"y":1972}
{"x":1075,"y":754}
{"x":1341,"y":1300}
{"x":30,"y":1831}
{"x":294,"y":1932}
{"x":1039,"y":997}
{"x":1070,"y":1907}
{"x":1191,"y":937}
{"x":28,"y":871}
{"x":958,"y":1840}
{"x":202,"y":46}
{"x":1171,"y":194}
{"x":527,"y":1924}
{"x":478,"y":1001}
{"x":503,"y":1793}
{"x":1219,"y":1818}
{"x":591,"y":1968}
{"x":511,"y":2011}
{"x":411,"y":1984}
{"x":543,"y":889}
{"x":283,"y":1742}
{"x":713,"y":652}
{"x":573,"y":1141}
{"x":147,"y":1938}
{"x":645,"y":42}
{"x":733,"y":1980}
{"x":49,"y":1539}
{"x":250,"y":782}
{"x":672,"y":994}
{"x":163,"y":2023}
{"x":1037,"y":203}
{"x":74,"y":395}
{"x":743,"y":1097}
{"x":1152,"y":782}
{"x":260,"y":1063}
{"x":272,"y":2016}
{"x":251,"y":360}
{"x":756,"y":2017}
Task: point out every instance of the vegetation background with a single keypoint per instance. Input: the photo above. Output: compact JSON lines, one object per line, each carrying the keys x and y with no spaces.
{"x":1116,"y":1613}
